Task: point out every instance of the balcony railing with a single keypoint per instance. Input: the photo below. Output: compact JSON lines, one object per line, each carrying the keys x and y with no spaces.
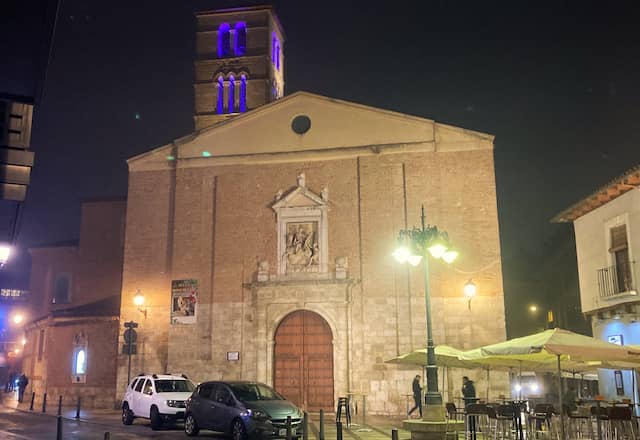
{"x":614,"y":280}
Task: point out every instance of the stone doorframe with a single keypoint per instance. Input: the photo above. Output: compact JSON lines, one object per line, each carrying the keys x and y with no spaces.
{"x":273,"y":301}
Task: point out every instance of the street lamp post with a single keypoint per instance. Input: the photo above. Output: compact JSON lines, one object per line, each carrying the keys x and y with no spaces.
{"x":416,"y":245}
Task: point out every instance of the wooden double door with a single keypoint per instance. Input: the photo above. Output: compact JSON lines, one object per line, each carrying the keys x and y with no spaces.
{"x":303,"y":361}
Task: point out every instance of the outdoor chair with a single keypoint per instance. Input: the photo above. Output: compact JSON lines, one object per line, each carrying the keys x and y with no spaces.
{"x":578,"y":424}
{"x":621,"y":423}
{"x":453,"y":412}
{"x":539,"y":419}
{"x":475,"y":419}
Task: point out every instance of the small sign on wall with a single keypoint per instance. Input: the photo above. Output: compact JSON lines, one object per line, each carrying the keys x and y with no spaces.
{"x":233,"y":355}
{"x":615,"y":339}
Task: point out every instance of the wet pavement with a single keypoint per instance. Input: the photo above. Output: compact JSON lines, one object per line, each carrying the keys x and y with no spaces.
{"x":17,"y":421}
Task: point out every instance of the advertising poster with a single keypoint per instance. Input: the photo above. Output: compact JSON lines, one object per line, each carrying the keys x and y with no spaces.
{"x":184,"y":300}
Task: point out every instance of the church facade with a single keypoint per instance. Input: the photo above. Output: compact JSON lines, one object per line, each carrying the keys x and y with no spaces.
{"x":262,"y":242}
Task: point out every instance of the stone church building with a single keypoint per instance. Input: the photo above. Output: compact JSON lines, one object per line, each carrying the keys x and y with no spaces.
{"x":262,"y":242}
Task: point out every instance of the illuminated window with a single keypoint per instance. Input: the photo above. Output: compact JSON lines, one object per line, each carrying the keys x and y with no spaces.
{"x":243,"y":93}
{"x":232,"y":94}
{"x":277,"y":55}
{"x":275,"y":51}
{"x":620,"y":256}
{"x":220,"y":103}
{"x":224,"y":41}
{"x":80,"y":364}
{"x":240,"y":42}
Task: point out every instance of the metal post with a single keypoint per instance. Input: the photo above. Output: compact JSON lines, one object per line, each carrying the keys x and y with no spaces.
{"x":364,"y":409}
{"x":107,"y":435}
{"x":288,"y":437}
{"x":560,"y":398}
{"x":432,"y":396}
{"x":394,"y":434}
{"x":338,"y":430}
{"x":129,"y":364}
{"x":60,"y":405}
{"x":44,"y":403}
{"x":321,"y":424}
{"x":33,"y":397}
{"x":78,"y":408}
{"x":59,"y":429}
{"x":598,"y":424}
{"x":305,"y":426}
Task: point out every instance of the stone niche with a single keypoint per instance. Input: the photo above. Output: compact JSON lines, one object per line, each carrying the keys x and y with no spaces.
{"x":301,"y":217}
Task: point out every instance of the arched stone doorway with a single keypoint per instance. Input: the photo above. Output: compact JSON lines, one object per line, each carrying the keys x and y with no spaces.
{"x":303,"y":360}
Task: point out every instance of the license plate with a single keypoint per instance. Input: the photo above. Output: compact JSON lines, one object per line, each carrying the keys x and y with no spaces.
{"x":283,"y":432}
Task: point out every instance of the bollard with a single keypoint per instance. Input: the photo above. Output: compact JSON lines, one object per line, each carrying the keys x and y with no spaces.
{"x":33,"y":397}
{"x":59,"y":429}
{"x":44,"y":403}
{"x":338,"y":430}
{"x":288,"y":428}
{"x":598,"y":423}
{"x":305,"y":426}
{"x":78,"y":408}
{"x":321,"y":424}
{"x":60,"y":405}
{"x":107,"y":435}
{"x":394,"y":434}
{"x":364,"y":409}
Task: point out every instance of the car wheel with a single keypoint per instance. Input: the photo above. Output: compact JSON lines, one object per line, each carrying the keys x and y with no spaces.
{"x":191,"y":426}
{"x":238,"y":431}
{"x":156,"y":420}
{"x":127,"y":415}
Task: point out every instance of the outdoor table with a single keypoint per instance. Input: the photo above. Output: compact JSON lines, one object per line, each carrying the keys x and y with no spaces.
{"x":517,"y":406}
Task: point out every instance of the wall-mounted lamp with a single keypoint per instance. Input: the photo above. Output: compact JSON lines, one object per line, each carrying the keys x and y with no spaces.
{"x":18,"y":318}
{"x":469,"y":290}
{"x":138,"y":300}
{"x":5,"y":253}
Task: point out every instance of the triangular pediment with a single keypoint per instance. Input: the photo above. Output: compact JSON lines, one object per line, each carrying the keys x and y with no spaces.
{"x":300,"y":197}
{"x":336,"y":125}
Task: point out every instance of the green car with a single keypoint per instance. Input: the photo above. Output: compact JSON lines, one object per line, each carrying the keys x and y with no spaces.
{"x":242,"y":409}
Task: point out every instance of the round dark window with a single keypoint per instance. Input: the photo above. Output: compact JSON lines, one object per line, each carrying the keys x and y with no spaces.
{"x":301,"y":124}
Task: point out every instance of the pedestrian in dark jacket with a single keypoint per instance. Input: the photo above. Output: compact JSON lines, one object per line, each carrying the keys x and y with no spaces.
{"x":469,"y":397}
{"x":22,"y":384}
{"x":417,"y":395}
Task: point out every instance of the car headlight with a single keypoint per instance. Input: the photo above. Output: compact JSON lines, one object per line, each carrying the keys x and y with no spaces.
{"x":257,"y":414}
{"x":175,"y":403}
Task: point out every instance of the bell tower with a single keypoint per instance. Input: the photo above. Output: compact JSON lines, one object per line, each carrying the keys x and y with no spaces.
{"x":239,"y":62}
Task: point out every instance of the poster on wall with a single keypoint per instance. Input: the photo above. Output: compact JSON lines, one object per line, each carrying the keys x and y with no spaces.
{"x":184,"y":300}
{"x":615,"y":339}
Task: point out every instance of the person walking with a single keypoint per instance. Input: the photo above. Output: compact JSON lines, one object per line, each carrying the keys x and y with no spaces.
{"x":417,"y":395}
{"x":23,"y":381}
{"x":469,"y":397}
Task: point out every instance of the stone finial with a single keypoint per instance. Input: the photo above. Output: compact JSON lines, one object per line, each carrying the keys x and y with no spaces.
{"x":324,"y":193}
{"x":263,"y":270}
{"x":341,"y":268}
{"x":278,"y":195}
{"x":301,"y":179}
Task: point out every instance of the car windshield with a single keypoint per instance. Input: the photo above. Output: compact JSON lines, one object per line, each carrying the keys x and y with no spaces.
{"x":174,"y":386}
{"x":249,"y":392}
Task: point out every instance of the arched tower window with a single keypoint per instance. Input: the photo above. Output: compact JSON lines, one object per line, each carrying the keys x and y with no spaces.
{"x":232,"y":94}
{"x":81,"y":362}
{"x":220,"y":102}
{"x":240,"y":42}
{"x":277,"y":55}
{"x":243,"y":93}
{"x":224,"y":40}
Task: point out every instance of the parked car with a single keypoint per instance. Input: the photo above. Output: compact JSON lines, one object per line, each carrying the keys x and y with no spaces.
{"x":157,"y":397}
{"x":242,"y":409}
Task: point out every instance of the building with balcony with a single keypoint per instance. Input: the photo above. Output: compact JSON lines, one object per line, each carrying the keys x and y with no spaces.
{"x":607,"y":232}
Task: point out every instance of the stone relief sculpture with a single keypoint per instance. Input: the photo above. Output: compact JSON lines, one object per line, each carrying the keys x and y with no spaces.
{"x":301,"y":179}
{"x":302,"y":249}
{"x":324,"y":193}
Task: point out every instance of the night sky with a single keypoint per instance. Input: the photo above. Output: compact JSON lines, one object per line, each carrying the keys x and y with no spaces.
{"x":557,"y":83}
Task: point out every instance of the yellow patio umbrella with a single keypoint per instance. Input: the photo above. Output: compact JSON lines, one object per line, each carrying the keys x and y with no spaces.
{"x":446,"y":356}
{"x":556,"y":346}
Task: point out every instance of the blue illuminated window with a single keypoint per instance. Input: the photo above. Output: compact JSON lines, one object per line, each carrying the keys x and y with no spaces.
{"x":220,"y":103}
{"x":224,"y":40}
{"x":232,"y":94}
{"x":277,"y":55}
{"x":275,"y":51}
{"x":243,"y":93}
{"x":80,"y":363}
{"x":240,"y":42}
